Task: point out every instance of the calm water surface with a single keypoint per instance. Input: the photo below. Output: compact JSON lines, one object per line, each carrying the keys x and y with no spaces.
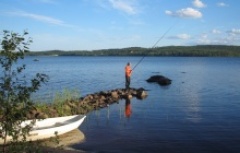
{"x":198,"y":112}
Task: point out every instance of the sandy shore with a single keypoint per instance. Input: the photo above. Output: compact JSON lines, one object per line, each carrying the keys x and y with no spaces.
{"x":54,"y":150}
{"x":65,"y":142}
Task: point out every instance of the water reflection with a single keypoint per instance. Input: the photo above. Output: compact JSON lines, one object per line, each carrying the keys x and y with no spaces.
{"x":193,"y":96}
{"x":128,"y":108}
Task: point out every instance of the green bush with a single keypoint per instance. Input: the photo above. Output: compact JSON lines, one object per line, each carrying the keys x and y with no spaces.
{"x":15,"y":88}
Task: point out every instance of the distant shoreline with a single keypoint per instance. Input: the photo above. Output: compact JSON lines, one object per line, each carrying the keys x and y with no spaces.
{"x":172,"y":51}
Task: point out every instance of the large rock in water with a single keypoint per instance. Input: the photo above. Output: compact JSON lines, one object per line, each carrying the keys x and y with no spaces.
{"x":161,"y":80}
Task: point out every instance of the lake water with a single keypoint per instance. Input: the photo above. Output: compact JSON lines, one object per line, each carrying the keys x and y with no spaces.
{"x":198,"y":112}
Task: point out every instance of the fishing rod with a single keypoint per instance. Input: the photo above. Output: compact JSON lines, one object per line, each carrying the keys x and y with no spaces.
{"x":154,"y":46}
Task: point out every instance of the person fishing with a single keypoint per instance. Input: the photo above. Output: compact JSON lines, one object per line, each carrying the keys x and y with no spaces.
{"x":128,"y":72}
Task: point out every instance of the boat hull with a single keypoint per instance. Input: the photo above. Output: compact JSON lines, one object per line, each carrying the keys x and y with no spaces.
{"x":47,"y":128}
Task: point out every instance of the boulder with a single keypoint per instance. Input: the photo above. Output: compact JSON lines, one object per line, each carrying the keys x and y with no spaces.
{"x":141,"y":94}
{"x":114,"y":95}
{"x":161,"y":80}
{"x":127,"y":96}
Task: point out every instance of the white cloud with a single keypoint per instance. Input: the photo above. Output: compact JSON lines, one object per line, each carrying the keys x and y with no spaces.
{"x":198,"y":4}
{"x":215,"y":31}
{"x":203,"y":39}
{"x":169,"y":12}
{"x":204,"y":36}
{"x":181,"y":36}
{"x":44,"y":1}
{"x":41,"y":18}
{"x":231,"y":37}
{"x":226,"y":40}
{"x":185,"y":13}
{"x":234,"y":31}
{"x":184,"y":36}
{"x":124,"y":5}
{"x":221,"y":4}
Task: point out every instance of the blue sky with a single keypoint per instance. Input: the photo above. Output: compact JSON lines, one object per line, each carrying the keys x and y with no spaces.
{"x":104,"y":24}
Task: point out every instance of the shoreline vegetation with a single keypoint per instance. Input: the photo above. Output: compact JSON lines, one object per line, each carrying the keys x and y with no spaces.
{"x":66,"y":105}
{"x":181,"y":51}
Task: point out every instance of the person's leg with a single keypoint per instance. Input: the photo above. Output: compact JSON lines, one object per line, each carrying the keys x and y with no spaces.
{"x":127,"y":84}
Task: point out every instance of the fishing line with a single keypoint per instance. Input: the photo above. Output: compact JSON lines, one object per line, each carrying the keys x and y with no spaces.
{"x":154,"y":46}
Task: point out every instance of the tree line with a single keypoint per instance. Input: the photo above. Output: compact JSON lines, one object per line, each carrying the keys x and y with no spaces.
{"x":199,"y":50}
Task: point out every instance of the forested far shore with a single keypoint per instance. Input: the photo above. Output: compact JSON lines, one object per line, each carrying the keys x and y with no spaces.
{"x":200,"y":50}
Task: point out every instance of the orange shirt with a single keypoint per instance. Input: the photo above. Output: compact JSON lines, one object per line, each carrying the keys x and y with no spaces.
{"x":128,"y":71}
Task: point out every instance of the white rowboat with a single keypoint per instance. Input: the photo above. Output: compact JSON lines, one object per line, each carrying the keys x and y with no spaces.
{"x":46,"y":128}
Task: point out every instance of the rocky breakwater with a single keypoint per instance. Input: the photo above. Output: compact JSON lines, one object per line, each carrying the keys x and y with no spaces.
{"x":105,"y":98}
{"x":85,"y":104}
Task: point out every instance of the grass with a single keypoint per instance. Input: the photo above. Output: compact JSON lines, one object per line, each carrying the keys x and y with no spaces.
{"x":65,"y":103}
